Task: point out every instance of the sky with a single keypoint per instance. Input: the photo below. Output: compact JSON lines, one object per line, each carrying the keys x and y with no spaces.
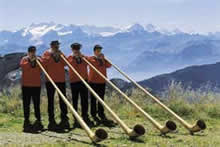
{"x":187,"y":15}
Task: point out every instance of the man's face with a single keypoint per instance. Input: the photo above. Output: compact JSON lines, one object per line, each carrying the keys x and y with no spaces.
{"x":97,"y":52}
{"x":76,"y":52}
{"x":55,"y":47}
{"x":31,"y":54}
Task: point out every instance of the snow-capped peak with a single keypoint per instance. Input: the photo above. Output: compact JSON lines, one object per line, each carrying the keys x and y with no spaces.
{"x":135,"y":28}
{"x":43,"y":29}
{"x":150,"y":28}
{"x":38,"y":30}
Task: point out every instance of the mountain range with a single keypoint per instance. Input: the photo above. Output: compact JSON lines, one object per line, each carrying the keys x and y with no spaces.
{"x":141,"y":51}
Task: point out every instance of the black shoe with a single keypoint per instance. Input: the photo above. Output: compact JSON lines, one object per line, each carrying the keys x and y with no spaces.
{"x":52,"y":126}
{"x":89,"y":122}
{"x":27,"y":127}
{"x":109,"y":123}
{"x":106,"y":122}
{"x":37,"y":126}
{"x":64,"y":124}
{"x":103,"y":117}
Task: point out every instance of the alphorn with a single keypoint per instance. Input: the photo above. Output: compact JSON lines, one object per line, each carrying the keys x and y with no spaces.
{"x":196,"y":127}
{"x":168,"y":127}
{"x":99,"y":135}
{"x":138,"y":130}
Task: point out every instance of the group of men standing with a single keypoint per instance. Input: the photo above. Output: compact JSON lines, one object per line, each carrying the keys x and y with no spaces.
{"x":55,"y":67}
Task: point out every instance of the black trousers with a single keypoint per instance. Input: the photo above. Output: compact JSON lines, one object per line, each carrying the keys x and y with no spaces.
{"x":79,"y":88}
{"x":28,"y":94}
{"x":100,"y":90}
{"x":50,"y":95}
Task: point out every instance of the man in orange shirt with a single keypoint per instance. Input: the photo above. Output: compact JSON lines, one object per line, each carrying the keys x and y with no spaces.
{"x":97,"y":82}
{"x":54,"y":66}
{"x":77,"y":86}
{"x":31,"y":88}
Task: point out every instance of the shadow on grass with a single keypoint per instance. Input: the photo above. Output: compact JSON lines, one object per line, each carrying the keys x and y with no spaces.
{"x":188,"y":134}
{"x":164,"y":136}
{"x":114,"y":132}
{"x":137,"y":140}
{"x":98,"y":145}
{"x":69,"y":139}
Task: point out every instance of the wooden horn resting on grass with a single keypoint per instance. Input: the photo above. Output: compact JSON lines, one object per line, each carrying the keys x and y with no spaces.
{"x":138,"y":130}
{"x":99,"y":134}
{"x":198,"y":126}
{"x":170,"y":125}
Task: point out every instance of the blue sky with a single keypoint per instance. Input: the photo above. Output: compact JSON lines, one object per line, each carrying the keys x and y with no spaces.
{"x":190,"y":15}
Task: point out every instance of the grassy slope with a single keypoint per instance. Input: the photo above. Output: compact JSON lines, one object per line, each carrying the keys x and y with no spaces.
{"x":11,"y":120}
{"x":210,"y":137}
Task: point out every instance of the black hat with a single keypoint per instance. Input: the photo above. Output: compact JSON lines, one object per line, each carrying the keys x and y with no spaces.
{"x":55,"y":42}
{"x":97,"y":46}
{"x":31,"y":49}
{"x":76,"y":46}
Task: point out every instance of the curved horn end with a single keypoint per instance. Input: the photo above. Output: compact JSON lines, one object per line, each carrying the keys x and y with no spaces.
{"x":169,"y":127}
{"x":199,"y":125}
{"x":138,"y":130}
{"x":100,"y":135}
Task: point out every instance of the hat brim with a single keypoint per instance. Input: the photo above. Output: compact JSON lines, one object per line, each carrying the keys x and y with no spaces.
{"x":55,"y":43}
{"x":75,"y":48}
{"x":98,"y":48}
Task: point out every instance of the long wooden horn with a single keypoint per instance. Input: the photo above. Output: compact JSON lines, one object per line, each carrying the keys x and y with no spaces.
{"x":138,"y":130}
{"x":99,"y":134}
{"x":198,"y":126}
{"x":170,"y":126}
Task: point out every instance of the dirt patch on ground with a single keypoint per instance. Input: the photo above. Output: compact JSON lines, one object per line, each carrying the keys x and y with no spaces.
{"x":46,"y":137}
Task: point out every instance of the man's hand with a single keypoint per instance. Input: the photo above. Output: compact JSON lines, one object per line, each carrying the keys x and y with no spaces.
{"x":58,"y":52}
{"x":33,"y":58}
{"x":102,"y":56}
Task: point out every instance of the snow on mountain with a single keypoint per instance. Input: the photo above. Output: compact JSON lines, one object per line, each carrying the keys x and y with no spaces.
{"x":64,"y":33}
{"x":38,"y":30}
{"x":104,"y":31}
{"x":151,"y":28}
{"x":106,"y":34}
{"x":133,"y":28}
{"x":139,"y":48}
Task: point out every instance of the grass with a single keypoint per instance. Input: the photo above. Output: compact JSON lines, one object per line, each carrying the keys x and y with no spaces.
{"x":189,"y":104}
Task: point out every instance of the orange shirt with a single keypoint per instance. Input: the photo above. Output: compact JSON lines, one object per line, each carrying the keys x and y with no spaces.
{"x":94,"y":77}
{"x":30,"y":76}
{"x":80,"y":68}
{"x":55,"y":70}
